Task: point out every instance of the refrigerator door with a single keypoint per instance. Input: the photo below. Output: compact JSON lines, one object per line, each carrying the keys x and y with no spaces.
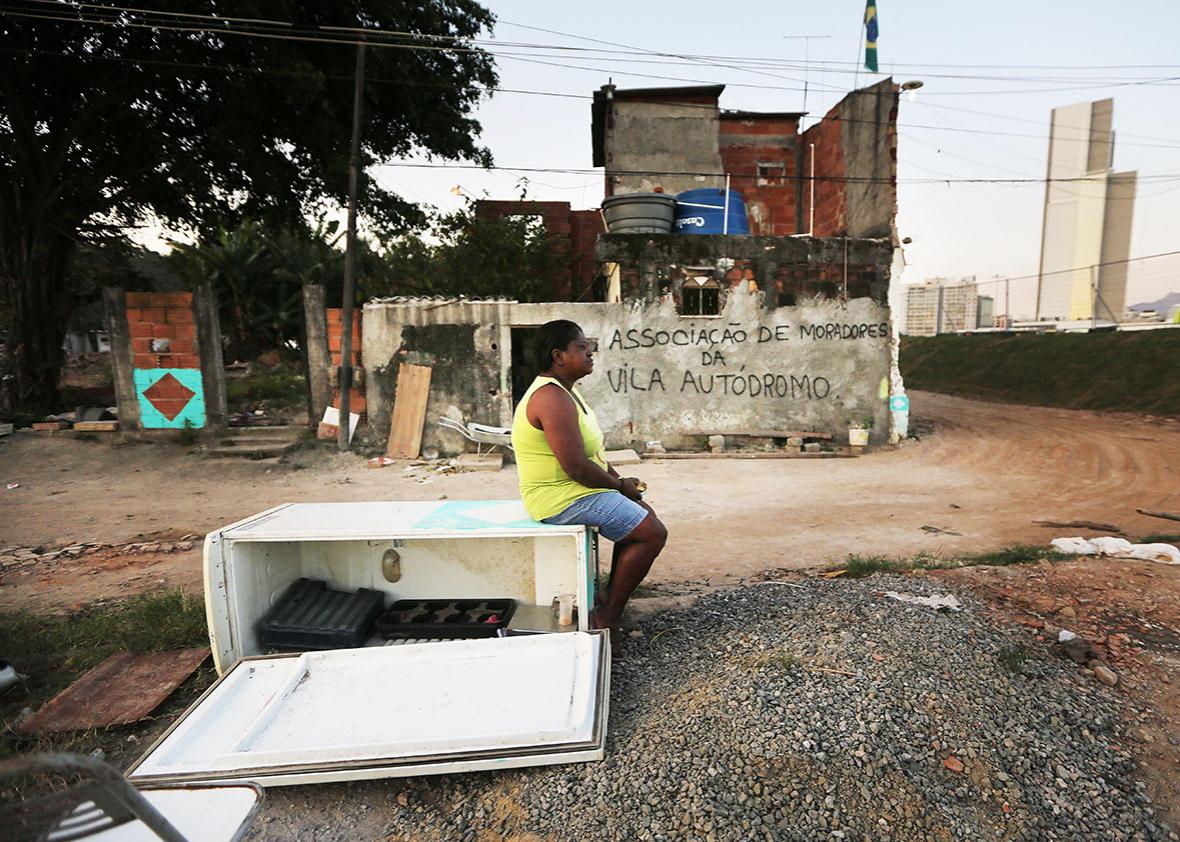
{"x":393,"y":711}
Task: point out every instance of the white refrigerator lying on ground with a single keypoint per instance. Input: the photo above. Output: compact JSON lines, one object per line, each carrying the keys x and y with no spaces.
{"x":536,"y":696}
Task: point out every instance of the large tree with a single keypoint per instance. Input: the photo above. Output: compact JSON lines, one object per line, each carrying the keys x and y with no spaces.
{"x":112,"y":117}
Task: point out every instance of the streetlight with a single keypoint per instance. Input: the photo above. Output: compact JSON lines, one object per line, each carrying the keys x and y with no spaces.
{"x":911,"y":88}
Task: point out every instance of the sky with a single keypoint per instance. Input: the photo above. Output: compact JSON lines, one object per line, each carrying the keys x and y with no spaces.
{"x":1035,"y":56}
{"x":991,"y":73}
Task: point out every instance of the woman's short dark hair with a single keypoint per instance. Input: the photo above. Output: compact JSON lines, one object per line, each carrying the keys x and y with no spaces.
{"x":553,"y":336}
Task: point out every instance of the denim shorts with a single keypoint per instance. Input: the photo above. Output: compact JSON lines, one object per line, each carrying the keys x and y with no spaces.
{"x":615,"y":516}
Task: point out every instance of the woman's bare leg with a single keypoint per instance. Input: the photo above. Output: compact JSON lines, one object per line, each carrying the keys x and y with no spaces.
{"x":632,"y":559}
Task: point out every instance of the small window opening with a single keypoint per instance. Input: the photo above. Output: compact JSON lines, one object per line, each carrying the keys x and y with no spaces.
{"x":771,"y":172}
{"x":700,"y":296}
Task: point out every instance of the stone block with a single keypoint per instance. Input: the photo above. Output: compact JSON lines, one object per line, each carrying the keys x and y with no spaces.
{"x":717,"y":443}
{"x":795,"y":441}
{"x":812,"y":447}
{"x":623,"y":457}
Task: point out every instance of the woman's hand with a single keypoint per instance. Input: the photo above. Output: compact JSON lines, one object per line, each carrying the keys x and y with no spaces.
{"x":629,"y":488}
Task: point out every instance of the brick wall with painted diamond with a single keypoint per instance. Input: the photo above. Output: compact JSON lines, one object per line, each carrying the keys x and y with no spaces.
{"x":167,"y":366}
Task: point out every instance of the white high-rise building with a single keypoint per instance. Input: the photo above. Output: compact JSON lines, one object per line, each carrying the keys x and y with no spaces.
{"x":940,"y":305}
{"x":1086,"y":233}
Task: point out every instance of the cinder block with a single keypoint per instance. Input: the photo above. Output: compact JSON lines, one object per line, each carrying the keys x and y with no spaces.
{"x":140,"y":330}
{"x":179,"y":315}
{"x":187,"y":361}
{"x":134,"y":314}
{"x":144,"y":360}
{"x":141,"y":345}
{"x":164,"y":331}
{"x":812,"y":447}
{"x":174,"y":299}
{"x":152,"y":314}
{"x":139,"y":299}
{"x":184,"y":331}
{"x":183,"y":346}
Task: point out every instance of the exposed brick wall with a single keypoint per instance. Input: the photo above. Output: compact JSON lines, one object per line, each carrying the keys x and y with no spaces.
{"x":335,"y":320}
{"x":831,"y":218}
{"x":573,"y":234}
{"x":855,"y":165}
{"x":750,"y":140}
{"x":162,"y":316}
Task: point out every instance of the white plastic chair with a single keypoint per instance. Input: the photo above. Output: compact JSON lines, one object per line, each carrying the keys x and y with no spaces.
{"x":100,"y":802}
{"x":480,"y":434}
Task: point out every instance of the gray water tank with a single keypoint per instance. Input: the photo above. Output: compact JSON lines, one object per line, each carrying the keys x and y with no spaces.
{"x":639,"y":213}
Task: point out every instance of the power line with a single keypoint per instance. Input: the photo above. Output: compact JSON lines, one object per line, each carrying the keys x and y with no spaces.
{"x":558,"y":94}
{"x":255,"y":27}
{"x":1154,"y":177}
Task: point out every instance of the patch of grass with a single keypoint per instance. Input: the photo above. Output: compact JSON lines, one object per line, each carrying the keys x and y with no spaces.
{"x":188,"y":435}
{"x":862,"y":565}
{"x":1013,"y":657}
{"x":1160,"y":538}
{"x":1020,"y":554}
{"x":1123,"y":371}
{"x":54,"y":651}
{"x":858,"y":566}
{"x":283,"y":385}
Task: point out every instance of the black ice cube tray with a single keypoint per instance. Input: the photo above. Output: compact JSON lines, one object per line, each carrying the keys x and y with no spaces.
{"x":309,"y":616}
{"x":445,"y":618}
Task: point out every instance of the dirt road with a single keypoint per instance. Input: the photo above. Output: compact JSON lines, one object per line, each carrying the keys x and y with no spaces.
{"x":985,"y":471}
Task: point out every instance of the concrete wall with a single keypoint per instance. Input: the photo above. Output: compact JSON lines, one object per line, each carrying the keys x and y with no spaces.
{"x":855,"y":152}
{"x":816,"y":366}
{"x":660,"y":137}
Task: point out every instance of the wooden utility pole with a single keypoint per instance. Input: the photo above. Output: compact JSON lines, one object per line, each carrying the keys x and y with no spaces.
{"x":354,"y":163}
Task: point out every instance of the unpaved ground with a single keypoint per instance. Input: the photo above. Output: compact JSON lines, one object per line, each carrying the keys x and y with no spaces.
{"x":1130,"y":612}
{"x":985,"y":471}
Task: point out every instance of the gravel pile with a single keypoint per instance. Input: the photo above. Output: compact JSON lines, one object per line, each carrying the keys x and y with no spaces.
{"x":826,"y":711}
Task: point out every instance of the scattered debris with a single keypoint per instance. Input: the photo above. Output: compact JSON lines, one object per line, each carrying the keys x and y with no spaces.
{"x":124,"y":688}
{"x":96,"y":426}
{"x":938,"y":530}
{"x":9,"y":677}
{"x":480,"y":461}
{"x":1079,"y":524}
{"x":1119,"y":548}
{"x":380,"y":462}
{"x":1163,"y":515}
{"x":1104,"y":674}
{"x":13,"y":485}
{"x":940,"y":602}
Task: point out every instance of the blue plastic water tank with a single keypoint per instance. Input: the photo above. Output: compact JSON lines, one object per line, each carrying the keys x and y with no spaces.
{"x":703,"y":212}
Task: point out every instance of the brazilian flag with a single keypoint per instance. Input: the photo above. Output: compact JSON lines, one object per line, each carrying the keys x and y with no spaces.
{"x":871,"y":36}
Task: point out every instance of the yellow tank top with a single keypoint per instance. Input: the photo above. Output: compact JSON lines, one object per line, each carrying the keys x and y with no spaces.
{"x":544,"y":487}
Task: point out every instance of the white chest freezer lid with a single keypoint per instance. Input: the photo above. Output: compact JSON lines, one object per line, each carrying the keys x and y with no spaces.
{"x":380,"y":706}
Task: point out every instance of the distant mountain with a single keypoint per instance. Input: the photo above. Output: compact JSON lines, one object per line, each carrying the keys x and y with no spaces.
{"x":1163,"y":305}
